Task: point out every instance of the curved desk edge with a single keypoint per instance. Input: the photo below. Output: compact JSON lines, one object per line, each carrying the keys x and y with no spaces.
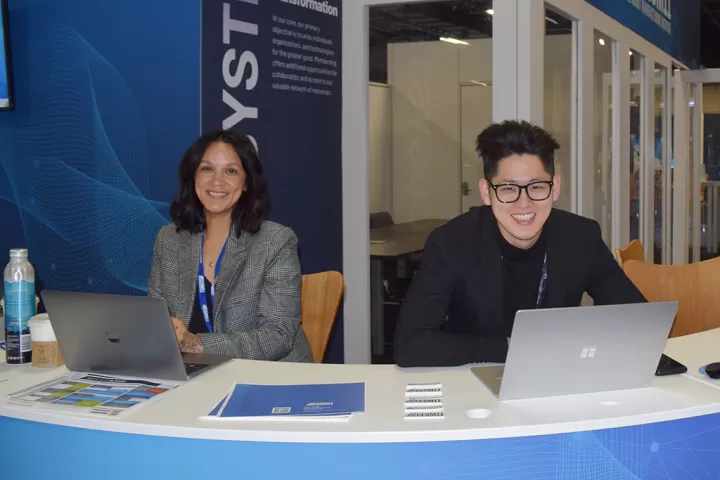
{"x":310,"y":436}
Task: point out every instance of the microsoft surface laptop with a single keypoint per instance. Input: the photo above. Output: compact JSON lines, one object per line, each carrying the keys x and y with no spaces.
{"x":564,"y":351}
{"x":121,"y":335}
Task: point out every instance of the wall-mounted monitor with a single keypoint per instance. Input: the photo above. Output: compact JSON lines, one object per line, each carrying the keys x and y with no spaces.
{"x":6,"y":84}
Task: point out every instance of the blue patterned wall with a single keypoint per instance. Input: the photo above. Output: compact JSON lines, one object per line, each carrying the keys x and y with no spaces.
{"x":107,"y":96}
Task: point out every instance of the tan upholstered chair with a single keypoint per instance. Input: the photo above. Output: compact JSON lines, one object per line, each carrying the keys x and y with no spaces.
{"x":321,"y":293}
{"x":695,"y":286}
{"x":632,"y":251}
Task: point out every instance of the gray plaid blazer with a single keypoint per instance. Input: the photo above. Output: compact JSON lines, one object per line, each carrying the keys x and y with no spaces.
{"x":257,"y":292}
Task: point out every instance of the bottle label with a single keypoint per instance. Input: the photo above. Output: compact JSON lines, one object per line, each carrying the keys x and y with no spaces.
{"x":18,"y":344}
{"x":19,"y":306}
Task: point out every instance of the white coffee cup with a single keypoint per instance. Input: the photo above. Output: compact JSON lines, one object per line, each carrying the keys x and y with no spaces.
{"x":41,"y":329}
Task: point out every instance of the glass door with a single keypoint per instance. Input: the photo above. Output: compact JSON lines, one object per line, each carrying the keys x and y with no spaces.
{"x":696,"y":180}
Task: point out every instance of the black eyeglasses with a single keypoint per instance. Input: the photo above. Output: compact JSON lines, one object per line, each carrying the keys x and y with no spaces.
{"x":510,"y":193}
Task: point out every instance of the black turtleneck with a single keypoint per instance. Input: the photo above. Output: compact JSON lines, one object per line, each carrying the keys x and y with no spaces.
{"x":521,"y":277}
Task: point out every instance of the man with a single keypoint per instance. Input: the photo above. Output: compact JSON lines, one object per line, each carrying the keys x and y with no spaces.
{"x":515,"y":253}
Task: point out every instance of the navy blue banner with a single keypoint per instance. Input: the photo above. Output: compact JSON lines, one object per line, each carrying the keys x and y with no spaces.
{"x":672,"y":25}
{"x":271,"y":69}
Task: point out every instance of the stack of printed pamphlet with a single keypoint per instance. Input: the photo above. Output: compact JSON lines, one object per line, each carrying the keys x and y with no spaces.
{"x":334,"y":402}
{"x":424,"y":401}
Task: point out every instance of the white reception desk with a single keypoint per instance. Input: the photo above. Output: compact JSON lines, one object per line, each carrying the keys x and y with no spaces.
{"x":380,"y":441}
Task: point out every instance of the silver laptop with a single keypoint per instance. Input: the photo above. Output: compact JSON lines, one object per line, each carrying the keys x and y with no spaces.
{"x":121,"y":335}
{"x":575,"y":350}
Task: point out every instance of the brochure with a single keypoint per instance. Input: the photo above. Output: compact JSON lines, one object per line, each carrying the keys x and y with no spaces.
{"x":307,"y":402}
{"x":90,"y":394}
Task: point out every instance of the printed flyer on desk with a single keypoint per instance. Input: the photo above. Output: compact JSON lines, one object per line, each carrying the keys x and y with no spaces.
{"x":90,"y":394}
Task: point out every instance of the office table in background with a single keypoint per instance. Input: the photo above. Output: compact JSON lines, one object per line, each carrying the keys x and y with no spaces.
{"x":392,"y":242}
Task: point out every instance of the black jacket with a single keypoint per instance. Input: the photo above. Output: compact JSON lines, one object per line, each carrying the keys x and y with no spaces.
{"x":453,"y":312}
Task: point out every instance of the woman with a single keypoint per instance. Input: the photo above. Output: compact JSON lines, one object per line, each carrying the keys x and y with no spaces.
{"x":231,"y":279}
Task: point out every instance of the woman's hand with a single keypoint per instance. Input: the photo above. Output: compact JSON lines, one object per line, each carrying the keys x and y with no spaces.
{"x":188,"y":342}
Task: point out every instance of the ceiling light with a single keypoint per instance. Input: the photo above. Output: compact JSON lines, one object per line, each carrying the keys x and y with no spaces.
{"x":482,"y":84}
{"x":552,"y":21}
{"x":454,"y":41}
{"x":490,"y":11}
{"x":630,"y":53}
{"x":601,"y":41}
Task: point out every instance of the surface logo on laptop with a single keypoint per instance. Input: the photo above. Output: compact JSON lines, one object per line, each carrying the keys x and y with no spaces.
{"x":588,"y":352}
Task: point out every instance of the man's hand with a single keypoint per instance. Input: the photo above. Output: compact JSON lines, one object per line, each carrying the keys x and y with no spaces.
{"x":188,"y":342}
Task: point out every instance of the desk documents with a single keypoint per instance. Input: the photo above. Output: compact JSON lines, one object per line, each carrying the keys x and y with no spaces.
{"x":424,"y":401}
{"x":90,"y":394}
{"x":290,"y":402}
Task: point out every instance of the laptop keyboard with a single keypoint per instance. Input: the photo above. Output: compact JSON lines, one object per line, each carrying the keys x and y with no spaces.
{"x":191,"y":368}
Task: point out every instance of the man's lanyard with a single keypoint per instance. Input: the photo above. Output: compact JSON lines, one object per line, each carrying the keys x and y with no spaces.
{"x":543,"y":284}
{"x":202,"y":297}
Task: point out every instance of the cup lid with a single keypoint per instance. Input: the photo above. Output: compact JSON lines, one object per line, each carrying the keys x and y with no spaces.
{"x":39,"y":318}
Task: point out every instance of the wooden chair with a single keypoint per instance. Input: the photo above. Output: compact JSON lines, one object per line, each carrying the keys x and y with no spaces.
{"x":694,"y":286}
{"x":321,"y":293}
{"x":632,"y":251}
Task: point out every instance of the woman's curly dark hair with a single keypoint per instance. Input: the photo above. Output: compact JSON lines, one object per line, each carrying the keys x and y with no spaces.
{"x":248,"y":214}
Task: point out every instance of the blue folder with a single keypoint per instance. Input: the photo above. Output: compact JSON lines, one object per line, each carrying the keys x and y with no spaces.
{"x":315,"y":400}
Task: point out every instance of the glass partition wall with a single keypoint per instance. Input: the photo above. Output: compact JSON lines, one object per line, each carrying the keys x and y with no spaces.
{"x":622,"y":150}
{"x":603,"y":78}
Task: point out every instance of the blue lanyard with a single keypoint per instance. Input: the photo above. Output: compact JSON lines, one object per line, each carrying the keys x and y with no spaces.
{"x":543,"y":284}
{"x":202,"y":297}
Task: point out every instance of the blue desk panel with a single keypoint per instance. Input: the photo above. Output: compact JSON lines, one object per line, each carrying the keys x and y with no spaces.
{"x":681,"y":449}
